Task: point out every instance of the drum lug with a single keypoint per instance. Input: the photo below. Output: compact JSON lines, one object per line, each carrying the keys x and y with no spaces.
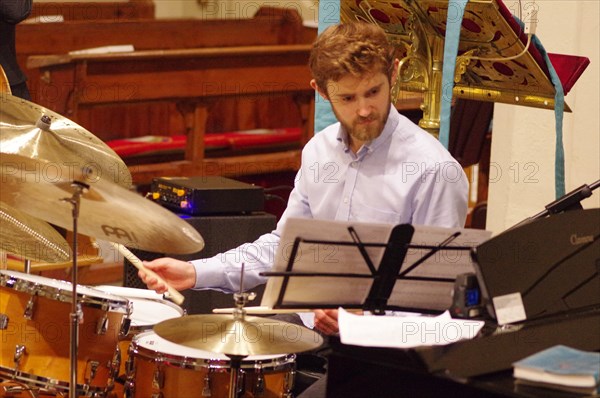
{"x":19,"y":352}
{"x":206,"y":391}
{"x":129,"y":389}
{"x":130,"y":365}
{"x":288,"y":384}
{"x":241,"y":383}
{"x":158,"y":379}
{"x":28,"y":314}
{"x":3,"y":321}
{"x":102,"y":325}
{"x":124,"y":330}
{"x":130,"y":376}
{"x":259,"y":386}
{"x":116,"y":363}
{"x":90,"y":370}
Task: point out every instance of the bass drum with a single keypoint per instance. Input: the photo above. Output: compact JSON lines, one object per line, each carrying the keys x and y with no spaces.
{"x":159,"y":368}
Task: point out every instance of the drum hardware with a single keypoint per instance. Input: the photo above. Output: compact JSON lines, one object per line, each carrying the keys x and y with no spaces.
{"x":158,"y":378}
{"x":259,"y":385}
{"x":76,"y":316}
{"x":3,"y":321}
{"x":28,"y":314}
{"x":90,"y":371}
{"x":102,"y":325}
{"x":206,"y":390}
{"x":289,"y":382}
{"x":19,"y":352}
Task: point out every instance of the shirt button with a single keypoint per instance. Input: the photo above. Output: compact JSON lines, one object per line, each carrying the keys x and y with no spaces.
{"x":353,"y":165}
{"x":345,"y":201}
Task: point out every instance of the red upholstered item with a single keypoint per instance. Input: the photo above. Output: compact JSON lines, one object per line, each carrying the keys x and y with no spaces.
{"x":567,"y":67}
{"x":247,"y":139}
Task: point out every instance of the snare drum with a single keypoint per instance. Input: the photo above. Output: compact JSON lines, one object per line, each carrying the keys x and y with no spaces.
{"x":147,"y":308}
{"x":35,"y":331}
{"x":158,"y":367}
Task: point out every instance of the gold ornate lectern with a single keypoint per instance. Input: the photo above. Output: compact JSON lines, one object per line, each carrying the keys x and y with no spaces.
{"x":495,"y":62}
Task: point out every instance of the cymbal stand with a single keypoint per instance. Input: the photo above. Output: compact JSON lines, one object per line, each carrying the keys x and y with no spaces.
{"x":27,"y":266}
{"x":76,"y":315}
{"x":239,"y":313}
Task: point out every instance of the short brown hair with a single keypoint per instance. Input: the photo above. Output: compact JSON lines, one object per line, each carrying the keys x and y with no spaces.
{"x":356,"y":48}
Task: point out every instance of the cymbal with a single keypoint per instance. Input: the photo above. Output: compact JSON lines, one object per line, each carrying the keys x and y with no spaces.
{"x":106,"y":211}
{"x":33,"y":131}
{"x":241,"y":337}
{"x":30,"y":238}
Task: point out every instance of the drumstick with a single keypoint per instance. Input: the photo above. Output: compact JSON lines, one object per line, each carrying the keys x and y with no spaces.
{"x":173,"y":293}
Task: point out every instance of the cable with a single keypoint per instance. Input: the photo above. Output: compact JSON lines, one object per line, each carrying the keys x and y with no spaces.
{"x":506,"y":58}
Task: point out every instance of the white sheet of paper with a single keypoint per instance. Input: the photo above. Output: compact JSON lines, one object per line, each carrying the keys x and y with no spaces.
{"x":404,"y":331}
{"x":312,"y":257}
{"x":509,"y":308}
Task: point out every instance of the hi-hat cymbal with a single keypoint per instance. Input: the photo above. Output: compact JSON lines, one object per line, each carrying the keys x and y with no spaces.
{"x":107,"y":210}
{"x":30,"y":238}
{"x":29,"y":130}
{"x":241,"y":337}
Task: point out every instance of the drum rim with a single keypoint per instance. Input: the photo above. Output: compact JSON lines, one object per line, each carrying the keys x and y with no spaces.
{"x":52,"y":385}
{"x":276,"y":363}
{"x":13,"y":281}
{"x":136,"y":329}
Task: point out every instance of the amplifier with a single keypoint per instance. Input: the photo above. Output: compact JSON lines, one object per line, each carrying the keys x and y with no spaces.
{"x":206,"y":195}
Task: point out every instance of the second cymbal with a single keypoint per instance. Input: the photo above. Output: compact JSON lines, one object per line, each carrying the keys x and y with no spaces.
{"x":107,"y":210}
{"x":240,"y":337}
{"x":30,"y":238}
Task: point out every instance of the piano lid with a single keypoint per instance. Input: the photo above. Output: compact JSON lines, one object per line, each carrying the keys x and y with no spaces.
{"x":552,"y":263}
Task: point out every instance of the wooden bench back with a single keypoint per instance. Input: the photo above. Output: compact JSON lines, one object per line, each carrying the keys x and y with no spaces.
{"x":93,"y":11}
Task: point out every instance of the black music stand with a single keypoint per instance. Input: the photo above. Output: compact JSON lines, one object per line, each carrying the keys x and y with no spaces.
{"x":369,"y":287}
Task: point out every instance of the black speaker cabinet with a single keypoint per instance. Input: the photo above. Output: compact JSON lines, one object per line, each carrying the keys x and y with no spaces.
{"x":220,"y":233}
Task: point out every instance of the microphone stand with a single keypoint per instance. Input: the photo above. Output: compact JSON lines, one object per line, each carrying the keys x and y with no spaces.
{"x":570,"y":201}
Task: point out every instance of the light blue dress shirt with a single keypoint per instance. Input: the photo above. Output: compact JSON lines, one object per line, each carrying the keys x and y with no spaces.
{"x":403,"y":176}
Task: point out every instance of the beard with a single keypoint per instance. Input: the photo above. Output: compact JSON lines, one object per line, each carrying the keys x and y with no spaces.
{"x":365,"y":129}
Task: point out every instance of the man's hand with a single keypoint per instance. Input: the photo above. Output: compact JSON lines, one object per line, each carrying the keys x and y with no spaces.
{"x":178,"y":274}
{"x":326,"y":321}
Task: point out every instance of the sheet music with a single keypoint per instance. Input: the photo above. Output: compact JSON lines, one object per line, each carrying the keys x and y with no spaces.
{"x":443,"y":264}
{"x":346,"y":291}
{"x":314,"y":257}
{"x":404,"y":331}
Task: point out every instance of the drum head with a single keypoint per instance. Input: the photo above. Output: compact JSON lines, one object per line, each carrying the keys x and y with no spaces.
{"x":147,"y":307}
{"x":60,"y":290}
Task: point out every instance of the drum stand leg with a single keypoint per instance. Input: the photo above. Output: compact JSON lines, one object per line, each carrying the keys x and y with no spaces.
{"x":236,"y":364}
{"x":76,"y":312}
